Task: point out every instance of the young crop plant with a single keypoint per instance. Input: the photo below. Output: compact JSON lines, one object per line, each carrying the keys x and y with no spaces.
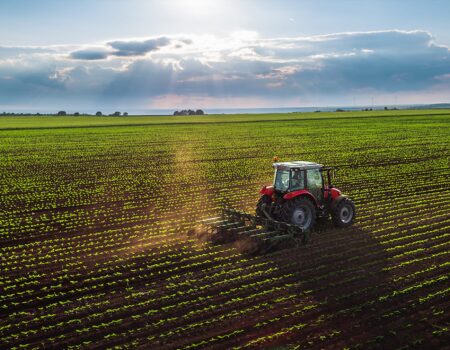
{"x":100,"y":247}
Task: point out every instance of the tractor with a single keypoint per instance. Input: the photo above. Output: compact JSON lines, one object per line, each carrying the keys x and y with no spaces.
{"x":301,"y":193}
{"x":287,"y":210}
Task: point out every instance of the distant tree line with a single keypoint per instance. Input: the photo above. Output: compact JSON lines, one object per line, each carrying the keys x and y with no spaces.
{"x":385,"y":108}
{"x":367,"y":109}
{"x":99,"y":113}
{"x":64,"y":113}
{"x":189,"y":112}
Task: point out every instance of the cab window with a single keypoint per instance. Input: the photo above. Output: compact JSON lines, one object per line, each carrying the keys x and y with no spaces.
{"x":314,"y":179}
{"x":282,"y":180}
{"x":297,"y":180}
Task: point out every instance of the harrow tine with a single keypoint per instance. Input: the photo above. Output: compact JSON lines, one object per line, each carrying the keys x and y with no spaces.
{"x":260,"y":233}
{"x":216,"y":223}
{"x":249,"y":233}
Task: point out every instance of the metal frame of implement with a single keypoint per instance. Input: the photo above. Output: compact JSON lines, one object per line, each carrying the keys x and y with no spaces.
{"x":233,"y":225}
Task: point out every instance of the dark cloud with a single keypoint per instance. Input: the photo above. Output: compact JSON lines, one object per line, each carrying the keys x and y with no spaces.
{"x":89,"y":54}
{"x":126,"y":48}
{"x":137,"y":47}
{"x":187,"y":41}
{"x":26,"y":85}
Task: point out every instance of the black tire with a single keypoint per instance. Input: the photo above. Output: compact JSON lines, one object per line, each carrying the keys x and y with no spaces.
{"x":299,"y":211}
{"x":264,"y":199}
{"x":343,"y":213}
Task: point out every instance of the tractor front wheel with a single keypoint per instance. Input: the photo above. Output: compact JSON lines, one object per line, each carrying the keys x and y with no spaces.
{"x":299,"y":212}
{"x":343,"y":213}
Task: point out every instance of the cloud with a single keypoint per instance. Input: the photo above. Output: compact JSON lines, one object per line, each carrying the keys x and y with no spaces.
{"x":13,"y":51}
{"x":90,"y":54}
{"x":443,"y":77}
{"x":138,"y":47}
{"x":126,"y":48}
{"x":242,"y":66}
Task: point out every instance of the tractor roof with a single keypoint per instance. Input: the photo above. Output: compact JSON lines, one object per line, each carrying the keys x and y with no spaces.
{"x":297,"y":165}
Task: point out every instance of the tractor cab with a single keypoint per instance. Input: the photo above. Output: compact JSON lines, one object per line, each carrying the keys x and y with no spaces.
{"x":301,"y":192}
{"x":306,"y":177}
{"x":294,"y":176}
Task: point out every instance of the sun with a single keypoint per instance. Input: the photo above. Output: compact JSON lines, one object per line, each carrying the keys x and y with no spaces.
{"x":195,"y":7}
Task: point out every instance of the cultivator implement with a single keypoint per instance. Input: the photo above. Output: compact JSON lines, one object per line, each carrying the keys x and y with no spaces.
{"x":255,"y":233}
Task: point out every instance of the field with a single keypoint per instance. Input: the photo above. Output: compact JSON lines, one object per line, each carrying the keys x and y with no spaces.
{"x":95,"y":251}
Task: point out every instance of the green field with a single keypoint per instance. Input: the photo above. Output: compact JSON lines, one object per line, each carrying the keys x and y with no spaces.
{"x":95,"y":215}
{"x":17,"y":122}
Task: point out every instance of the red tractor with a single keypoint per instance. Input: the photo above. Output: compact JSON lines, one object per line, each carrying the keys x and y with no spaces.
{"x":301,"y":193}
{"x":286,"y":211}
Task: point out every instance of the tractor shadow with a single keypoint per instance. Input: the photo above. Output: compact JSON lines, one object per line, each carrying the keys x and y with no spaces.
{"x":338,"y":271}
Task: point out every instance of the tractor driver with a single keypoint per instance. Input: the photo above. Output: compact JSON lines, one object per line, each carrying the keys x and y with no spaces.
{"x":297,"y":180}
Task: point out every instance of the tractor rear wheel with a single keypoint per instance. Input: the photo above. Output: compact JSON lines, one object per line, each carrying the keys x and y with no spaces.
{"x":300,"y":212}
{"x":264,"y":199}
{"x":343,"y":214}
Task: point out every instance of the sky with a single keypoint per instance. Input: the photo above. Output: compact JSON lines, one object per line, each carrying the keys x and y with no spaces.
{"x":89,"y":55}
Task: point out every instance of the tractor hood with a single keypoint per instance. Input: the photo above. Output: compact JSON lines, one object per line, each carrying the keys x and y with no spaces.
{"x":267,"y":190}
